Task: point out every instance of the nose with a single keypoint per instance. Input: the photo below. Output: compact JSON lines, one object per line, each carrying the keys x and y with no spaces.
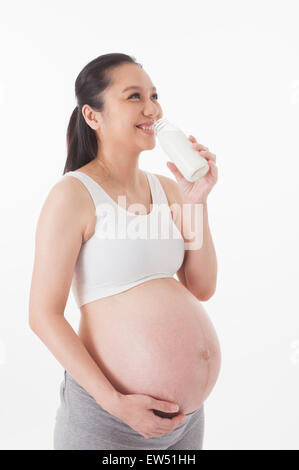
{"x":152,"y":109}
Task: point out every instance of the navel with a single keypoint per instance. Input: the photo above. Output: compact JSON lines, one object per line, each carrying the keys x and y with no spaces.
{"x":205,"y":354}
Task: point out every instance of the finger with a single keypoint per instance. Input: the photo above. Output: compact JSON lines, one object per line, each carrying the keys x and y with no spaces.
{"x":194,"y":141}
{"x":208,"y":155}
{"x":178,"y":419}
{"x":158,"y":433}
{"x":174,"y":169}
{"x":164,"y":406}
{"x":198,"y":146}
{"x":168,"y":424}
{"x":214,"y":169}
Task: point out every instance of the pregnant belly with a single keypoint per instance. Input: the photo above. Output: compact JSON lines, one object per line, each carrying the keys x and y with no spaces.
{"x":155,"y":339}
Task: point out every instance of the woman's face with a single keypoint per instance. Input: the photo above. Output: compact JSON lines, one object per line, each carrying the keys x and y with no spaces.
{"x":124,"y":109}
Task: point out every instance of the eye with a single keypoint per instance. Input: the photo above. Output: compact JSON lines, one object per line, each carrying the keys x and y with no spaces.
{"x":134,"y":94}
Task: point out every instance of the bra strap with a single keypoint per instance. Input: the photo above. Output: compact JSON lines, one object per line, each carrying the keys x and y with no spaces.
{"x":90,"y":185}
{"x":160,"y":195}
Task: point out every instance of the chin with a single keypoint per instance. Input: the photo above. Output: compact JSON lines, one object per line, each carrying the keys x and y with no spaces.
{"x":150,"y":146}
{"x":151,"y":143}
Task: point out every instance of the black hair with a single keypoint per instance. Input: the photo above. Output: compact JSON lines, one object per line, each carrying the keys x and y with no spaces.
{"x":81,"y":139}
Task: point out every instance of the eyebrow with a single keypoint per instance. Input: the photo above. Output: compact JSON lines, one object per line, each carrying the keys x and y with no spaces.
{"x":138,"y":87}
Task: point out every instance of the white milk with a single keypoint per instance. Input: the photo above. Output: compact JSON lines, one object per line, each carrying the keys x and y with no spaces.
{"x":179,"y":149}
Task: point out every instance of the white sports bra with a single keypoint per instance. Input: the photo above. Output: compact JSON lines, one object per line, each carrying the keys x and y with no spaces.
{"x":126,"y":249}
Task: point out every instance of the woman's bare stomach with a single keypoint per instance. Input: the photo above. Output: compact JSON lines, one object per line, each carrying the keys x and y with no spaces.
{"x":156,"y":339}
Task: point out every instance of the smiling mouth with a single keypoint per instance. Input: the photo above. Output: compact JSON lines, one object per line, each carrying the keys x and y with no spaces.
{"x":146,"y":131}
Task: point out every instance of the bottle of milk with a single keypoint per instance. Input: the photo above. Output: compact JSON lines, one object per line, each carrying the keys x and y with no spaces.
{"x":179,"y":149}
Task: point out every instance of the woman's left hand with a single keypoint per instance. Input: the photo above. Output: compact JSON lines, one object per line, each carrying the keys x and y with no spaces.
{"x":197,"y":191}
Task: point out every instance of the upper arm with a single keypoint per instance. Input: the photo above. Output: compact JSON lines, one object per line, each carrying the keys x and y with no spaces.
{"x":58,"y":239}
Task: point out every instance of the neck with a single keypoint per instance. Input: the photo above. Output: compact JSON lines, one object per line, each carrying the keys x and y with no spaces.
{"x":122,"y":173}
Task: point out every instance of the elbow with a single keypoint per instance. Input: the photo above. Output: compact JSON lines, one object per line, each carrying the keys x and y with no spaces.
{"x":205,"y":296}
{"x":209,"y":291}
{"x":202,"y":295}
{"x":38,"y":322}
{"x":200,"y":291}
{"x":32,"y":323}
{"x":32,"y":315}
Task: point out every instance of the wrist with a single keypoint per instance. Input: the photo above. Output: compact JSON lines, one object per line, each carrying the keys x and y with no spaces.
{"x":112,"y":404}
{"x":202,"y":201}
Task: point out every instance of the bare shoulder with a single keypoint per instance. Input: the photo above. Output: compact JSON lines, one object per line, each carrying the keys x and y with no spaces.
{"x":68,"y":199}
{"x":69,"y":187}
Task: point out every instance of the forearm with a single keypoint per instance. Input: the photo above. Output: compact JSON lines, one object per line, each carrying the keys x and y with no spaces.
{"x":61,"y":339}
{"x":200,"y":264}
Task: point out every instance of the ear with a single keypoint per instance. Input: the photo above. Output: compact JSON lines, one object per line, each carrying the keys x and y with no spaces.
{"x":92,"y":118}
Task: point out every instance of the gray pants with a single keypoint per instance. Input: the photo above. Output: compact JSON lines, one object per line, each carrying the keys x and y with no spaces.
{"x":82,"y":424}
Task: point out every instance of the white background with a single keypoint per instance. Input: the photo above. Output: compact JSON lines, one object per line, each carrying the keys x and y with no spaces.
{"x":226,"y":72}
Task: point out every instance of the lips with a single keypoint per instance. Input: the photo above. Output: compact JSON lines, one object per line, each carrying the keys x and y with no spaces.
{"x":146,"y":131}
{"x":147,"y":124}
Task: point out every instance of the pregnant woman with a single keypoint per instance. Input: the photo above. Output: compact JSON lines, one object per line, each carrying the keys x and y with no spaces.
{"x":146,"y":355}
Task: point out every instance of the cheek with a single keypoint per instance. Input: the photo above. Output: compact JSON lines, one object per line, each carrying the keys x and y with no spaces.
{"x":122,"y":124}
